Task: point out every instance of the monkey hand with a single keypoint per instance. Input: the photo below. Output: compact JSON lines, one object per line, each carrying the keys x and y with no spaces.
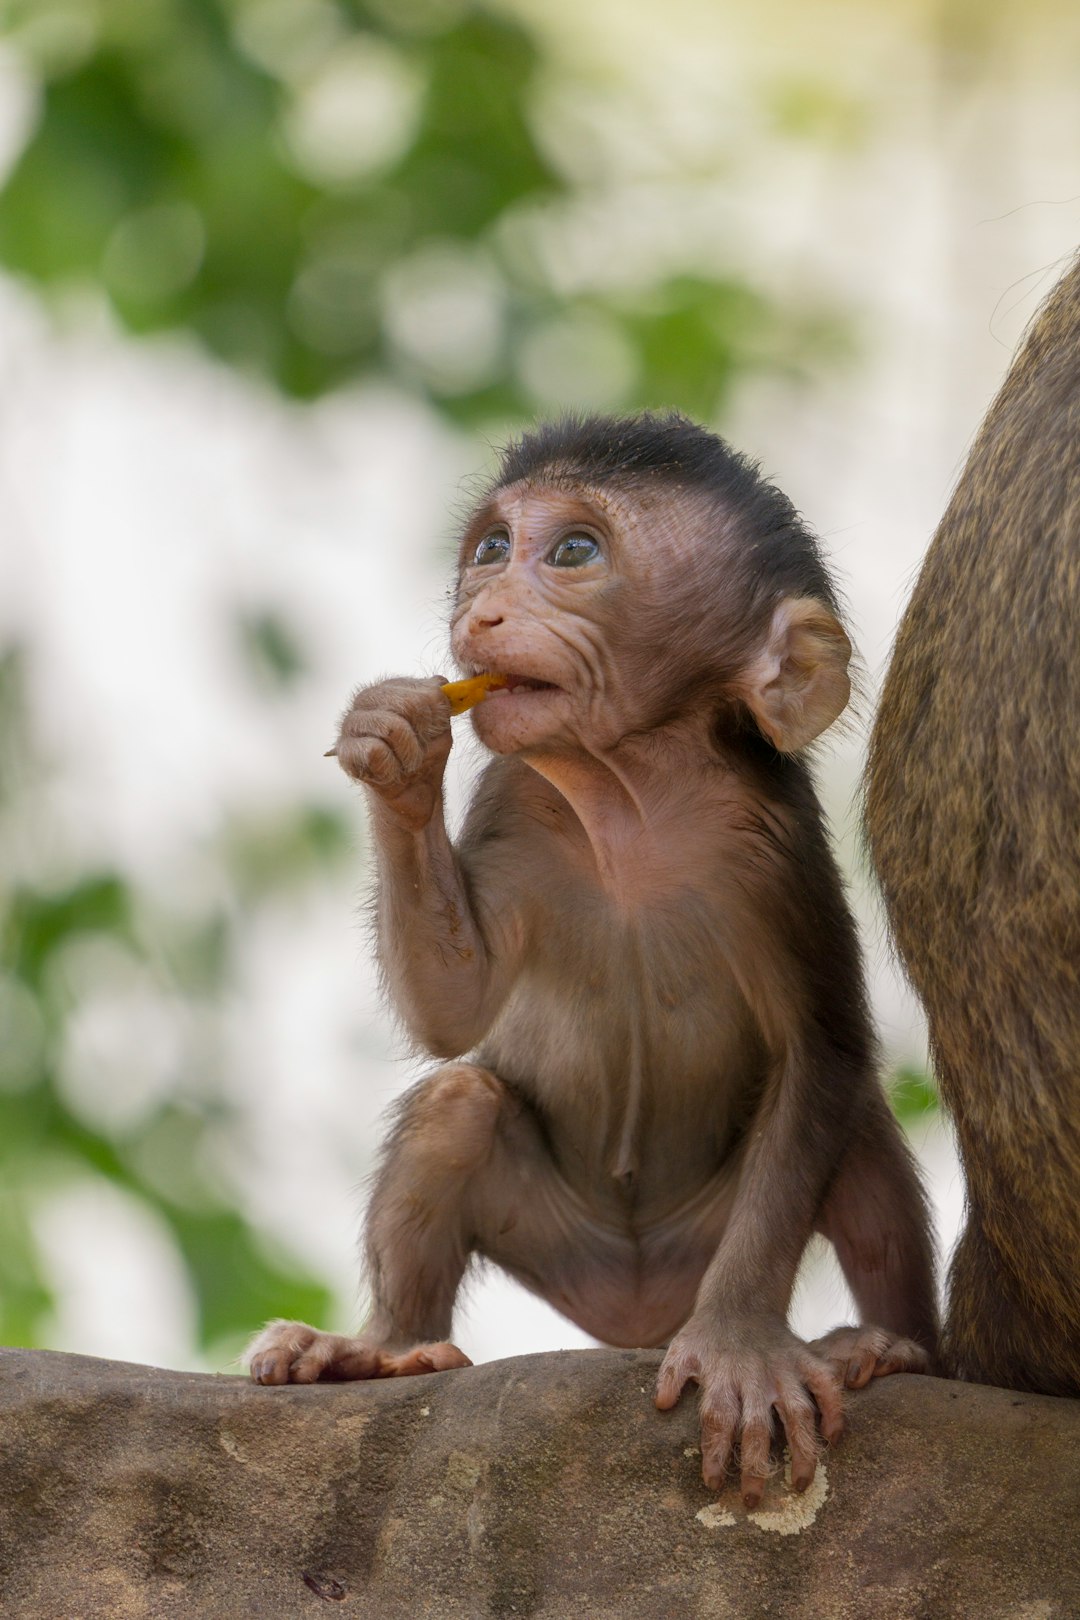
{"x":857,"y":1354}
{"x":395,"y":738}
{"x":293,"y":1353}
{"x":746,"y":1369}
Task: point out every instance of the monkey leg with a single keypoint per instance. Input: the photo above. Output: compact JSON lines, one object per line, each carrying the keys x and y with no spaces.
{"x":876,"y":1218}
{"x":417,"y":1243}
{"x":465,"y":1170}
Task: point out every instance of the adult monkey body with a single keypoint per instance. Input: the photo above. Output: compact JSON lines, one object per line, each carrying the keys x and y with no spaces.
{"x":973,"y":813}
{"x":642,"y":941}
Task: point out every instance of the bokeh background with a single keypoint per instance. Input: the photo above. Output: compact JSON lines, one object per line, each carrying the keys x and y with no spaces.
{"x":275,"y":277}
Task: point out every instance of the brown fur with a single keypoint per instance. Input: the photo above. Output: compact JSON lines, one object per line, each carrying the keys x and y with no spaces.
{"x":973,"y":814}
{"x":641,"y":948}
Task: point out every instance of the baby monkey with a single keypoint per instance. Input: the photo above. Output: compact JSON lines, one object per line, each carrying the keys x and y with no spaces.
{"x":637,"y":966}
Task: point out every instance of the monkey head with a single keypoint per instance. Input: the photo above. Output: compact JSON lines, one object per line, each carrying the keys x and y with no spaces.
{"x":626,"y":574}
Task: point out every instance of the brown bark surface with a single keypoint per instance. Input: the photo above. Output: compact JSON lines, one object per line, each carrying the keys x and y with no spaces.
{"x":545,"y":1485}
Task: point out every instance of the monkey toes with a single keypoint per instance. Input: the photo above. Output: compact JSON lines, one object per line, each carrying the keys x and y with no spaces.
{"x":858,"y":1354}
{"x":293,"y":1353}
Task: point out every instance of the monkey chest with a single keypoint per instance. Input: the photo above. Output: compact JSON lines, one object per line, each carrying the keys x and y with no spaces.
{"x":634,"y":1019}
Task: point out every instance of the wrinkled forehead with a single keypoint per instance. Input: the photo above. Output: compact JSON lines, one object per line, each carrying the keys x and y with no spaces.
{"x":649,"y":518}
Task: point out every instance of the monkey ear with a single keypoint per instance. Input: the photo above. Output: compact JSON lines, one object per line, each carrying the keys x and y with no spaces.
{"x":798,"y":683}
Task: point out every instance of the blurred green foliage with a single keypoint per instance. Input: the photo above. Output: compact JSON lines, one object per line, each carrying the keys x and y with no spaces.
{"x":322,"y":188}
{"x":166,"y":1156}
{"x":318,"y":190}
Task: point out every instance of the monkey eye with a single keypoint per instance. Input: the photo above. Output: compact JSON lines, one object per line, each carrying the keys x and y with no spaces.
{"x":492,"y":548}
{"x":574,"y":551}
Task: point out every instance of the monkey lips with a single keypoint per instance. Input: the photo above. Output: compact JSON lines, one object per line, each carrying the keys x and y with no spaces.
{"x":517,"y":714}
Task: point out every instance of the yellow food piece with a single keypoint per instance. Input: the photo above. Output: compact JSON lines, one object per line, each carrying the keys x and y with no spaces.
{"x":463,"y":695}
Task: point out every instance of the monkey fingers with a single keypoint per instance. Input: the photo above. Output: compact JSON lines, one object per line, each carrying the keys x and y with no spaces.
{"x":719,"y":1424}
{"x":390,"y":728}
{"x":825,"y":1386}
{"x":293,"y":1353}
{"x":858,"y":1354}
{"x":379,"y":747}
{"x":720,"y":1411}
{"x":799,"y":1417}
{"x":756,"y":1444}
{"x":740,"y":1388}
{"x":785,"y":1392}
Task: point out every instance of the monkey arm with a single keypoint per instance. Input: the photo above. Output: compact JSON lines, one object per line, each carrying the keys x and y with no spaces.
{"x":794,"y":955}
{"x":448,"y":950}
{"x":797,"y":1133}
{"x":793,"y":949}
{"x":737,"y":1345}
{"x":448,"y":959}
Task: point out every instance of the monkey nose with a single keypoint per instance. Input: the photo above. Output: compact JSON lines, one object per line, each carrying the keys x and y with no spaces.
{"x":485,"y":621}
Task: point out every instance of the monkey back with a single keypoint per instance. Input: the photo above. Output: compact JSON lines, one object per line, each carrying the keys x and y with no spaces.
{"x":972,"y":811}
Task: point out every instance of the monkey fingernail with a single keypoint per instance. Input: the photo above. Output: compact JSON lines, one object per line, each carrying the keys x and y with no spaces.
{"x":462,"y":695}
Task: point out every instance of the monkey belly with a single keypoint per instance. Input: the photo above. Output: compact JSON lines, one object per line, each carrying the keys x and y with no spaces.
{"x":641,"y":1106}
{"x":624,"y":1281}
{"x":625,"y":1152}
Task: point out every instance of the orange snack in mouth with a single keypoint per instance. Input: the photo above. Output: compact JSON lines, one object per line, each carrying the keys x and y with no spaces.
{"x":463,"y":695}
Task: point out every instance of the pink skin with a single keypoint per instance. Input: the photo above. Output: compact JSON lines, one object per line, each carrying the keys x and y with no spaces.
{"x":655,"y":1172}
{"x":529,"y":619}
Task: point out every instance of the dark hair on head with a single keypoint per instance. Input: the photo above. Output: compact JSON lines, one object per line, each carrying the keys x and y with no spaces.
{"x":668,"y":447}
{"x":618,"y":449}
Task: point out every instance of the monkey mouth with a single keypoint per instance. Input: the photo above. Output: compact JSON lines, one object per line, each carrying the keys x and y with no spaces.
{"x":521,"y":683}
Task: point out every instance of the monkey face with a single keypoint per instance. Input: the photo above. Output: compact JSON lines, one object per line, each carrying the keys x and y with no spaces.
{"x":612,"y":612}
{"x":541,"y":571}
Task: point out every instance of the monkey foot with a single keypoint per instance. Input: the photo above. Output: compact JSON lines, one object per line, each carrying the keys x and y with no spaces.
{"x":293,"y":1353}
{"x":858,"y":1354}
